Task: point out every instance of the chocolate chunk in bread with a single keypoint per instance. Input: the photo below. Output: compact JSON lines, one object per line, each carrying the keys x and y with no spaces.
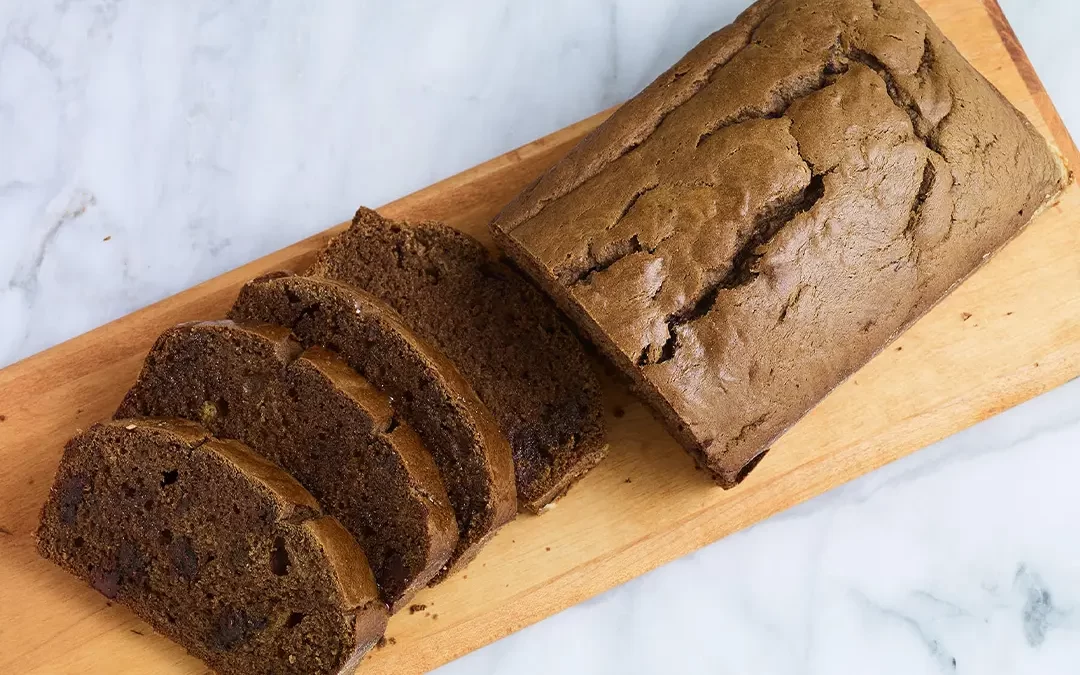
{"x":424,"y":388}
{"x":506,"y":338}
{"x":317,"y":418}
{"x":215,"y":547}
{"x":774,"y":209}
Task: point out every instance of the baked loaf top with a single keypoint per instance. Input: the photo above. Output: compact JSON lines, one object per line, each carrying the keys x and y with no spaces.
{"x":424,"y":387}
{"x":772,"y":210}
{"x":319,"y":420}
{"x":504,"y":336}
{"x":214,"y":546}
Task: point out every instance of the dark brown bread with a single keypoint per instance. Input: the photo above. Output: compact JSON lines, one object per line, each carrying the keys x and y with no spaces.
{"x":775,"y":208}
{"x":214,"y":546}
{"x":314,"y":416}
{"x":424,"y":388}
{"x":506,"y":338}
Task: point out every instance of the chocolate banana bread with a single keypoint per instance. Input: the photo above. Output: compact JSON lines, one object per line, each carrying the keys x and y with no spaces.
{"x":424,"y":388}
{"x":775,"y":208}
{"x":214,"y":546}
{"x":320,"y":421}
{"x":505,"y":337}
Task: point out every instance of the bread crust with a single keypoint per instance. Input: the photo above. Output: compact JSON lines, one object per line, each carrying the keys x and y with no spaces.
{"x":774,"y":209}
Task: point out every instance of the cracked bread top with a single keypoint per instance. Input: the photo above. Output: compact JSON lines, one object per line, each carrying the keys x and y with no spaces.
{"x":772,"y":210}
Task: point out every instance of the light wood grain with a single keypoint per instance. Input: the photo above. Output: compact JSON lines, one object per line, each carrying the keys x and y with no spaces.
{"x":1009,"y":333}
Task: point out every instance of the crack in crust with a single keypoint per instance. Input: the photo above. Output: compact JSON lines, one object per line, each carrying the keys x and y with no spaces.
{"x":928,"y":178}
{"x":925,"y":131}
{"x":743,"y":268}
{"x":770,"y":222}
{"x":613,"y":255}
{"x":903,"y":99}
{"x":633,"y":200}
{"x":704,"y":82}
{"x":835,"y":66}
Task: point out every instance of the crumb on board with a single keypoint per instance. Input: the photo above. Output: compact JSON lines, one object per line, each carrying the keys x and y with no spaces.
{"x":965,"y":315}
{"x":413,"y":609}
{"x":899,"y":349}
{"x":392,"y":641}
{"x":137,"y":632}
{"x":107,"y":238}
{"x":434,"y":616}
{"x":628,"y":481}
{"x":3,"y":418}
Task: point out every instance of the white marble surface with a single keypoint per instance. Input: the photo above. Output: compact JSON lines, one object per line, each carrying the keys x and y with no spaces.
{"x":145,"y":146}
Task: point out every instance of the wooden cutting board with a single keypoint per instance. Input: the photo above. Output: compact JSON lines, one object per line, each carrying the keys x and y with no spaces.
{"x":1009,"y":333}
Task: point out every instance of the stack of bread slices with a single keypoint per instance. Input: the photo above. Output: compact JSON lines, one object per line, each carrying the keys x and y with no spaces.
{"x":277,"y":483}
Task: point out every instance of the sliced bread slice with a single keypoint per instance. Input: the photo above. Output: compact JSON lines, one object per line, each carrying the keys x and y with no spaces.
{"x":317,"y":418}
{"x":215,"y":547}
{"x":424,"y":388}
{"x":507,"y":339}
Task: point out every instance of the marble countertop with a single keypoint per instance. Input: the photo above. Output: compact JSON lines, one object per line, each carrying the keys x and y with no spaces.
{"x":145,"y":147}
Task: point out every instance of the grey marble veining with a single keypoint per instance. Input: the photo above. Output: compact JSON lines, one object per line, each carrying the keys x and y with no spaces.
{"x":146,"y":146}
